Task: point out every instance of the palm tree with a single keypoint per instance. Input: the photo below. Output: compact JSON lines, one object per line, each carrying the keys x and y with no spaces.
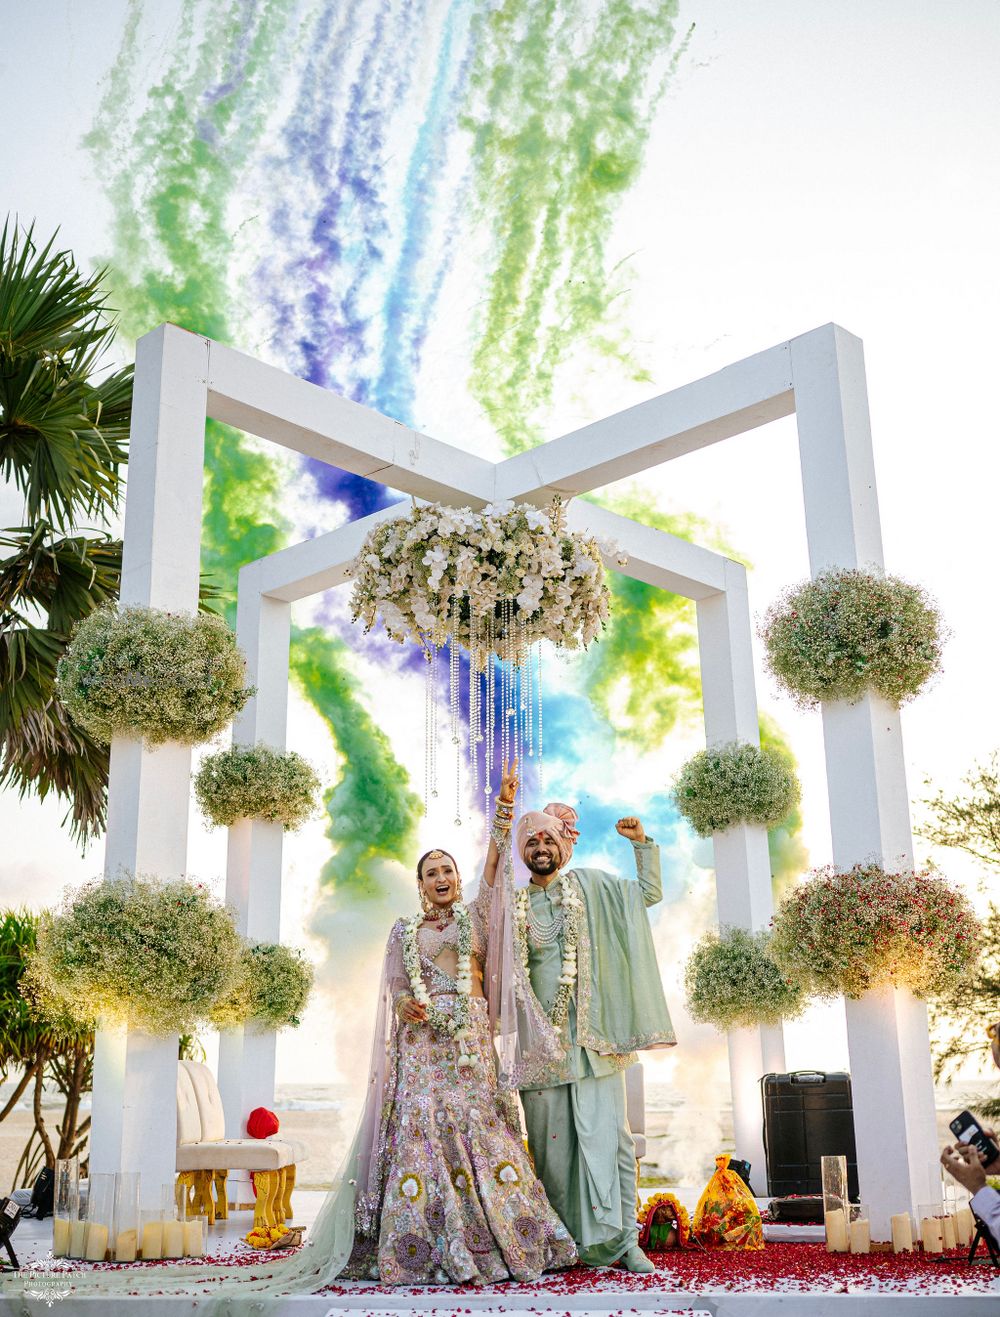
{"x":63,"y":441}
{"x":35,"y":1051}
{"x":64,"y":420}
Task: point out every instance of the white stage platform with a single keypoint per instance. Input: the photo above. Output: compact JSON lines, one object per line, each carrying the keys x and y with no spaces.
{"x":722,"y":1286}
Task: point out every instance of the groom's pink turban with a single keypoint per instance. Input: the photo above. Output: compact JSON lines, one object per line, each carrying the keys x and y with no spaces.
{"x":558,"y":821}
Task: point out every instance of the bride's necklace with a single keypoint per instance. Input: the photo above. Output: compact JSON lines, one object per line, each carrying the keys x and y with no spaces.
{"x":456,"y":1025}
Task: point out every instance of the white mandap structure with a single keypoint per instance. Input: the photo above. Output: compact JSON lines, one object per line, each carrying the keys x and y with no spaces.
{"x":182,"y":378}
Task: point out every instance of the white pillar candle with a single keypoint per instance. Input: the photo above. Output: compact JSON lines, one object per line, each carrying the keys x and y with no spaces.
{"x":77,"y":1238}
{"x":125,"y":1242}
{"x":97,"y":1241}
{"x":931,"y":1234}
{"x":965,"y":1227}
{"x":152,"y":1239}
{"x":902,"y":1233}
{"x":861,"y":1239}
{"x":948,"y":1229}
{"x":173,"y":1239}
{"x":194,"y":1245}
{"x":836,"y":1231}
{"x":60,"y":1236}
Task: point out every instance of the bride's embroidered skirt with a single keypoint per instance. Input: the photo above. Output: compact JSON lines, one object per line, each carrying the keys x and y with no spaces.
{"x":460,"y":1202}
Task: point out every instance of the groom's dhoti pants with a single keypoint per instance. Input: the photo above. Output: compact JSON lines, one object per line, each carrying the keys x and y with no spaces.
{"x":584,"y":1155}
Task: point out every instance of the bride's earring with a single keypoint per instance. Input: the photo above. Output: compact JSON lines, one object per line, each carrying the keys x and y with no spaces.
{"x":425,"y":905}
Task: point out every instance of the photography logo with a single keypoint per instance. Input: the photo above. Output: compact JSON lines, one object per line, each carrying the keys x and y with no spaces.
{"x":47,"y":1279}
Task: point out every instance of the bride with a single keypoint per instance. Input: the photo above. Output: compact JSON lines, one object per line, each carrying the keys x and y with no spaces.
{"x":437,"y":1186}
{"x":450,"y":1194}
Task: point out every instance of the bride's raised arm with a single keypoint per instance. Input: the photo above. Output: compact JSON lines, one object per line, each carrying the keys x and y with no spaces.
{"x":502,"y":821}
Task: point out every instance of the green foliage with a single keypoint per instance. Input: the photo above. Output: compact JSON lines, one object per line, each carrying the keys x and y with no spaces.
{"x":733,"y":982}
{"x":256,"y":782}
{"x":271,"y":989}
{"x":154,"y":955}
{"x":63,"y":433}
{"x":735,"y":783}
{"x":849,"y":933}
{"x":848,"y":632}
{"x":143,"y":671}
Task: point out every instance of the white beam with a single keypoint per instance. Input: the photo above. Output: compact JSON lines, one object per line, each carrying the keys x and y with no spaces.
{"x":319,"y":564}
{"x":738,"y":398}
{"x":742,"y":862}
{"x":316,"y":422}
{"x":869,"y":804}
{"x":135,"y":1105}
{"x":655,"y":556}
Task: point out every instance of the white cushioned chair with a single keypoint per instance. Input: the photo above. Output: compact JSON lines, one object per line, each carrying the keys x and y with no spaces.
{"x":205,"y":1155}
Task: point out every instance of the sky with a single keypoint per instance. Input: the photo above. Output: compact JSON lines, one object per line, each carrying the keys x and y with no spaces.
{"x":808,"y":163}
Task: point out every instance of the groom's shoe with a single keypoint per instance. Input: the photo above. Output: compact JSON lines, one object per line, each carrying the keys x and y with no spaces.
{"x":635,"y":1260}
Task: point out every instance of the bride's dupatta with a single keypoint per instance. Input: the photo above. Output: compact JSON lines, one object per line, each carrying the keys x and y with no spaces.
{"x":524,"y":1040}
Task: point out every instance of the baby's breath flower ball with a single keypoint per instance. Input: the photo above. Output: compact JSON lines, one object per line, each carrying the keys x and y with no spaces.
{"x":256,"y":782}
{"x":153,"y":955}
{"x":848,"y":632}
{"x":271,"y":989}
{"x":732,"y":982}
{"x":145,"y":672}
{"x":735,"y":783}
{"x":845,"y":934}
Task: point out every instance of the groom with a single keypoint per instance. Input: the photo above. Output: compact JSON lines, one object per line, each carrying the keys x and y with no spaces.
{"x":612,"y":1005}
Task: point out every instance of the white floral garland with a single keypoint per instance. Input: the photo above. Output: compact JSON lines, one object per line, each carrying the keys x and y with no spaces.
{"x":571,"y":939}
{"x":492,"y":576}
{"x":456,"y":1025}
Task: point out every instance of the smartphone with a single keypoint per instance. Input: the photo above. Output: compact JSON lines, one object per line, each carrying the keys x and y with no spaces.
{"x":967,"y":1129}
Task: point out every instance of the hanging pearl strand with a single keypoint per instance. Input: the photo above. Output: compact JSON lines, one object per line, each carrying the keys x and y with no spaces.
{"x":454,"y":695}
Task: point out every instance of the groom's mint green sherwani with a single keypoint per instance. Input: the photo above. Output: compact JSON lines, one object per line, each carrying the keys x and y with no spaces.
{"x":575,"y":1116}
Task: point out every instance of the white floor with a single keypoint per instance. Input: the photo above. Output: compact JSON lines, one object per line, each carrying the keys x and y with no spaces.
{"x":32,"y":1241}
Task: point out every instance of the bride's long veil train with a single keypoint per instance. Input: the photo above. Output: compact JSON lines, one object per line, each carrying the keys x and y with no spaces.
{"x":525,"y":1042}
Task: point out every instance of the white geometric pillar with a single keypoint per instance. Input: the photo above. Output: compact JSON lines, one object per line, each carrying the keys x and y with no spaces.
{"x":135,"y":1076}
{"x":892,"y":1083}
{"x":742,"y":863}
{"x":253,"y":870}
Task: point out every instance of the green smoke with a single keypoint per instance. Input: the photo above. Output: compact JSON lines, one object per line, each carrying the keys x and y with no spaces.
{"x":173,"y":175}
{"x":561,"y":104}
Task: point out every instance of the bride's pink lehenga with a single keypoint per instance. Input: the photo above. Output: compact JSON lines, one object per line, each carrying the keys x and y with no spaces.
{"x":455,"y":1196}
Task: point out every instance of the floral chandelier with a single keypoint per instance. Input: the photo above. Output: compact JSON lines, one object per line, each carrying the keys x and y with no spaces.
{"x":495,"y":583}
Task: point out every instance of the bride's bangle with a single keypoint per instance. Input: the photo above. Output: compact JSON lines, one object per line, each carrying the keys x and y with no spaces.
{"x":504,"y":813}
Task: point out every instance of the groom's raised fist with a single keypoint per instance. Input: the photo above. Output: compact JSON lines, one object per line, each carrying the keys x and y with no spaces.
{"x":631,"y":828}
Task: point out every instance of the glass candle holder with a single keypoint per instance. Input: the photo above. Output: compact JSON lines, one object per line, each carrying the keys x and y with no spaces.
{"x":860,"y":1229}
{"x":930,"y":1218}
{"x":173,"y":1223}
{"x":151,"y":1238}
{"x":100,"y":1216}
{"x":65,"y":1204}
{"x":126,"y":1234}
{"x":836,"y":1217}
{"x":195,"y":1234}
{"x":902,"y":1232}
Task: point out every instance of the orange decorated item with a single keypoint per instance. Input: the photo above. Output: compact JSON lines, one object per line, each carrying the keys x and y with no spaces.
{"x":726,"y":1215}
{"x":664,"y":1224}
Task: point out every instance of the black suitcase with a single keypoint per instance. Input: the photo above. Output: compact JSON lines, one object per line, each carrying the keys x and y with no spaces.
{"x":807,"y":1115}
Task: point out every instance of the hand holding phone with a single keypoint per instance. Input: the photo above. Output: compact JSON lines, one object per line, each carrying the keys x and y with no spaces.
{"x":967,"y":1129}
